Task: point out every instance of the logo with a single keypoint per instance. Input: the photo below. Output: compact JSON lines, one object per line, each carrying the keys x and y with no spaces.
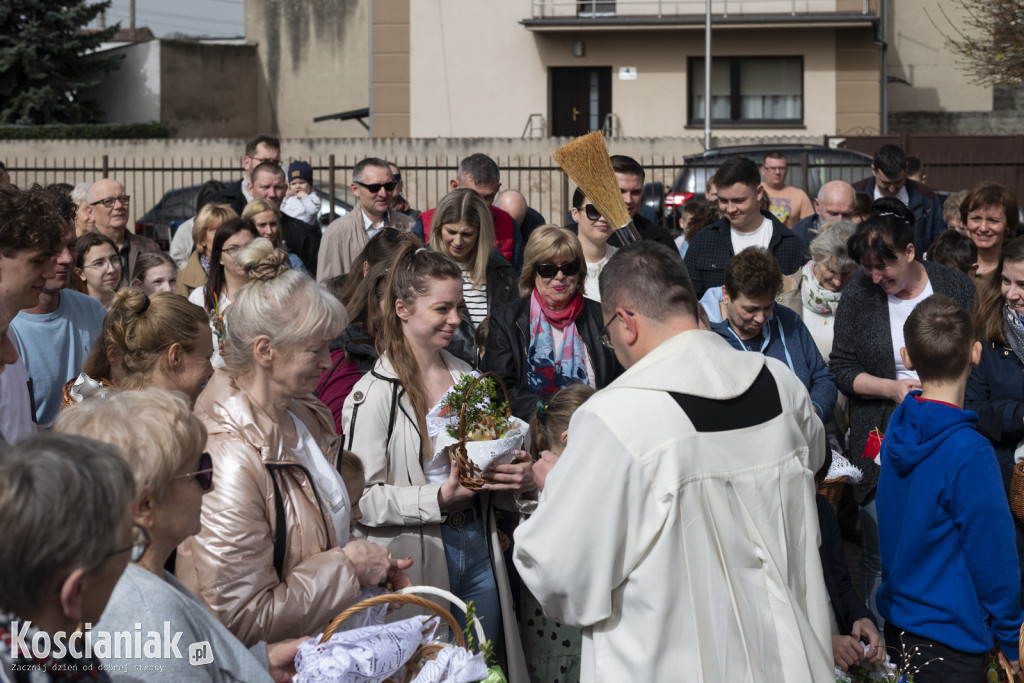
{"x":200,"y":653}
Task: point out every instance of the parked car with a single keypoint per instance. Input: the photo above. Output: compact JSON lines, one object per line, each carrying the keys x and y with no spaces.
{"x":810,"y":167}
{"x":179,"y":205}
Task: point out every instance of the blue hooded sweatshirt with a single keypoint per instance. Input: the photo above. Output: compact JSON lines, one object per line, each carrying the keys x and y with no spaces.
{"x":949,"y":562}
{"x":784,"y":338}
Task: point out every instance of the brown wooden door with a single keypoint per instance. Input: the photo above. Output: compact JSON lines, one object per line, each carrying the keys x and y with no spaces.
{"x":580,"y":99}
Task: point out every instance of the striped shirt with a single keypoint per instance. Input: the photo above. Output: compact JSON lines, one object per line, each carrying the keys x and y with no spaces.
{"x":476,"y":299}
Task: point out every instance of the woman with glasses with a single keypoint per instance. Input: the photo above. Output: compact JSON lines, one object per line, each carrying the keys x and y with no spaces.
{"x":593,"y":231}
{"x":195,"y":274}
{"x":273,"y":558}
{"x":98,"y":264}
{"x":226,"y":277}
{"x":551,"y":337}
{"x":163,"y":444}
{"x":67,"y":538}
{"x":463,"y":230}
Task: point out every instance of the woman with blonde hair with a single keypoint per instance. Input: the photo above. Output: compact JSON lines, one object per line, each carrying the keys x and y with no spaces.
{"x":273,"y":558}
{"x":463,"y":230}
{"x":164,"y":443}
{"x":196,"y":272}
{"x":160,"y":341}
{"x":154,"y":273}
{"x":551,"y":337}
{"x":266,"y":216}
{"x":413,"y":502}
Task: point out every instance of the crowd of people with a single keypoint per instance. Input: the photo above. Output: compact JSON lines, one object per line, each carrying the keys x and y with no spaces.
{"x":240,"y":438}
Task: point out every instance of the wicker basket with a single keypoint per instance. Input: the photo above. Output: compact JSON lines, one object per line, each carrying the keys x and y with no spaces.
{"x":469,"y":473}
{"x":406,"y":597}
{"x":67,"y":400}
{"x":832,"y":489}
{"x":1017,"y":491}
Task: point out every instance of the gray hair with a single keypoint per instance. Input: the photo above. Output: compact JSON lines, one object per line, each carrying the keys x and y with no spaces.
{"x":480,"y":169}
{"x":830,"y":244}
{"x":649,"y":278}
{"x":64,"y":501}
{"x":78,"y":193}
{"x":155,"y":429}
{"x":286,"y":306}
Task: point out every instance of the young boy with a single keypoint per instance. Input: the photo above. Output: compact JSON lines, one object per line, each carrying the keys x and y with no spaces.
{"x":949,"y":564}
{"x":301,"y":202}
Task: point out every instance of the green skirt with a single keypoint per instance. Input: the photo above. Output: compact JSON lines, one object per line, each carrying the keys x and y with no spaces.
{"x":552,"y":650}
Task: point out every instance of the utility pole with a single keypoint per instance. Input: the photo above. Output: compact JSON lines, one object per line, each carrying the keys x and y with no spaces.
{"x":707,"y":76}
{"x":131,"y":21}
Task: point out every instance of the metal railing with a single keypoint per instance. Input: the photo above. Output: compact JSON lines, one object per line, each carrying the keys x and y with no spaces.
{"x":597,"y":9}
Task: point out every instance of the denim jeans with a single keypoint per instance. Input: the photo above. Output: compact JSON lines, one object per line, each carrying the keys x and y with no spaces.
{"x":871,"y":557}
{"x":470,"y":575}
{"x":945,"y":664}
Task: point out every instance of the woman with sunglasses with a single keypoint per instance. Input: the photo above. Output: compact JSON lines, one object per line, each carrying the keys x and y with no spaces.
{"x":593,"y":231}
{"x":163,"y":443}
{"x":551,"y":337}
{"x":463,"y":230}
{"x":227,"y":275}
{"x":67,"y":536}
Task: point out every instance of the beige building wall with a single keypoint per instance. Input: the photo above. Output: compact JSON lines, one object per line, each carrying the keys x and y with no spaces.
{"x":475,"y":71}
{"x":858,"y":94}
{"x":314,"y":60}
{"x":389,"y":69}
{"x":929,"y":73}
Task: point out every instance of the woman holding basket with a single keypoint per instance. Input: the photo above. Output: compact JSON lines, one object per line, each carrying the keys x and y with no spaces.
{"x":414,"y":503}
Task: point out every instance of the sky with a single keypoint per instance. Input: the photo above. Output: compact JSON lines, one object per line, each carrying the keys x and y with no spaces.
{"x":214,"y":18}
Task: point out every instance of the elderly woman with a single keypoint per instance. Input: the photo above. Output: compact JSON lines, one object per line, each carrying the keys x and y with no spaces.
{"x":196,"y":272}
{"x":866,"y":357}
{"x":161,"y":341}
{"x":463,"y":230}
{"x":551,"y":337}
{"x":68,"y":535}
{"x":593,"y":231}
{"x":990,"y":213}
{"x":814,"y":290}
{"x":995,"y":389}
{"x":273,"y":558}
{"x":163,"y":443}
{"x":266,"y":216}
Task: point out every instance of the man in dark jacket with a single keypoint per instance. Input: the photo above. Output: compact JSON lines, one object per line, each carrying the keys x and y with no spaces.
{"x":262,"y":149}
{"x":630,"y":176}
{"x":889,"y":179}
{"x":300,"y":238}
{"x":745,"y":225}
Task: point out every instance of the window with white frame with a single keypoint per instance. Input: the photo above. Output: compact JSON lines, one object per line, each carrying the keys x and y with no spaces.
{"x":760,"y":91}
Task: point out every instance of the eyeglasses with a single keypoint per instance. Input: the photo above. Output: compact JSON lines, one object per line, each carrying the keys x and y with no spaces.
{"x":550,"y":270}
{"x":592,"y":212}
{"x":113,"y":262}
{"x":110,"y":201}
{"x":204,"y":475}
{"x":140,"y":541}
{"x":231,"y":251}
{"x":605,"y":335}
{"x":374,"y":188}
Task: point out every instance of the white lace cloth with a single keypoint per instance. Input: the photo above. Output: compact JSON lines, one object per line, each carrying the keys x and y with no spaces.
{"x":371,"y":654}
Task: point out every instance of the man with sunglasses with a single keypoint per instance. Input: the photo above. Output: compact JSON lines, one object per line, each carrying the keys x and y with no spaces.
{"x":678,"y":528}
{"x":374,"y":187}
{"x":108,"y":206}
{"x":262,"y":149}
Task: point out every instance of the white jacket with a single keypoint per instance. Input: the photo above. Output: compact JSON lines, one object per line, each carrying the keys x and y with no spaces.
{"x":685,"y":556}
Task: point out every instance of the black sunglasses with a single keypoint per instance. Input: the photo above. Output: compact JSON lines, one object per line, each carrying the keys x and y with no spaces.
{"x":204,"y":475}
{"x":375,"y":187}
{"x":550,"y":270}
{"x":592,"y":212}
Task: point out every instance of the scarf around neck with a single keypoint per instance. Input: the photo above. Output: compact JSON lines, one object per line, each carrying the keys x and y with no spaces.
{"x":814,"y":295}
{"x":549,"y":369}
{"x":1013,"y":330}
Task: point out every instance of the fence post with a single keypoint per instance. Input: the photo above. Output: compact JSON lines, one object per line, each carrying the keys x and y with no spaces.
{"x":565,"y":197}
{"x":106,"y":166}
{"x":330,"y":183}
{"x":804,"y":160}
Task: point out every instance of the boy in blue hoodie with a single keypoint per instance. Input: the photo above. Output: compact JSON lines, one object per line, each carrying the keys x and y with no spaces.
{"x":946,"y":535}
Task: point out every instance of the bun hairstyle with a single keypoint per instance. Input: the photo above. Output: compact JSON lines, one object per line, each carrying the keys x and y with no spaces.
{"x":412,"y":270}
{"x":280,"y":303}
{"x":886,"y":232}
{"x":138,"y":330}
{"x":550,"y":419}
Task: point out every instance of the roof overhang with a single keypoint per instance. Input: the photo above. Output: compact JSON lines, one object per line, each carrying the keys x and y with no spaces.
{"x":696,"y":22}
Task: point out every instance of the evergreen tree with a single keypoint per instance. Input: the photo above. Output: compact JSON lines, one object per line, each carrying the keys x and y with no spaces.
{"x":43,"y":68}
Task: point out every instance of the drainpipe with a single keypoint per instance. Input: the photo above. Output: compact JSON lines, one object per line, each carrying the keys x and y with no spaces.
{"x":707,"y":76}
{"x":884,"y":42}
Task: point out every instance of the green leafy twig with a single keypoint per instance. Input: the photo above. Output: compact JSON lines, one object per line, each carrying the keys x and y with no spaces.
{"x":481,"y":403}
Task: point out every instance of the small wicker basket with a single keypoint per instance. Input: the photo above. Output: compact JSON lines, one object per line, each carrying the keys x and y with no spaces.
{"x":469,"y":473}
{"x":1017,"y":491}
{"x":832,"y":489}
{"x":406,"y":597}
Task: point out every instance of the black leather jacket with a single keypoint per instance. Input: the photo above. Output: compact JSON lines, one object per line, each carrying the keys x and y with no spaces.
{"x":501,"y":289}
{"x":509,"y":341}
